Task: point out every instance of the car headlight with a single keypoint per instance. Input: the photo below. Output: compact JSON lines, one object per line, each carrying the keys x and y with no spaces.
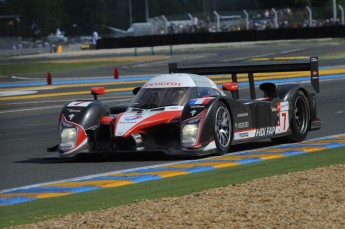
{"x":68,"y":138}
{"x":190,"y":133}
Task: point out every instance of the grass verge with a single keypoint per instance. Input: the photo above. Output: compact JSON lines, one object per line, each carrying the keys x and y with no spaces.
{"x":28,"y":68}
{"x":71,"y":64}
{"x":176,"y":186}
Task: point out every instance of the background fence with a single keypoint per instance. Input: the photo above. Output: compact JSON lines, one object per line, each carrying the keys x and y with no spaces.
{"x":243,"y":20}
{"x":218,"y":26}
{"x":231,"y":36}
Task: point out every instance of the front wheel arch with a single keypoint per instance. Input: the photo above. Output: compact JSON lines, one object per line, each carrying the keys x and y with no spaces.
{"x":223,"y":127}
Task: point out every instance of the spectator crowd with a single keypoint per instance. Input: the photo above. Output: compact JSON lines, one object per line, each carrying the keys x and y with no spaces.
{"x":286,"y":18}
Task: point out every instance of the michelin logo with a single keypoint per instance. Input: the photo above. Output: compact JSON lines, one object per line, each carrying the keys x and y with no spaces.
{"x":243,"y":135}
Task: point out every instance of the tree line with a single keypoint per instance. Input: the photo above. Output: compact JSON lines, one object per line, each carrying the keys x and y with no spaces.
{"x":82,"y":17}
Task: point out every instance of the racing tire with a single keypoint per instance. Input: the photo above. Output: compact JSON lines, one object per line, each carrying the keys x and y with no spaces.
{"x":300,"y":121}
{"x":222,"y":128}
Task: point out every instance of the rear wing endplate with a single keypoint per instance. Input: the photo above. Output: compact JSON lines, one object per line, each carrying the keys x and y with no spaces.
{"x":312,"y":66}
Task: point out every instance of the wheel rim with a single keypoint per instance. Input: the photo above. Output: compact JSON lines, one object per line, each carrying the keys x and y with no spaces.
{"x":223,"y":127}
{"x":301,"y":116}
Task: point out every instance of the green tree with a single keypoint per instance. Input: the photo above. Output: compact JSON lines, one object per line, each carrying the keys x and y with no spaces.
{"x":84,"y":16}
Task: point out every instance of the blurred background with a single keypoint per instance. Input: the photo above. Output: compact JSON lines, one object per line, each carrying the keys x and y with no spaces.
{"x":44,"y":24}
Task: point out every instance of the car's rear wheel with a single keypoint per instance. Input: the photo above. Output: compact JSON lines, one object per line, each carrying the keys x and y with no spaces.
{"x":222,"y":128}
{"x":300,"y":122}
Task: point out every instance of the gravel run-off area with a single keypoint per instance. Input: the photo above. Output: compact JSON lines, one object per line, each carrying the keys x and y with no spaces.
{"x":308,"y":199}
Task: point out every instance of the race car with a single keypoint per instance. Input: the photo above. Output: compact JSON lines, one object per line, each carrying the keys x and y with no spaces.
{"x":186,"y":113}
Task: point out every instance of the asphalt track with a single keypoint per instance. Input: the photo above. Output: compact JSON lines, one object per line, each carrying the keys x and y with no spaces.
{"x":29,"y":124}
{"x":183,"y":167}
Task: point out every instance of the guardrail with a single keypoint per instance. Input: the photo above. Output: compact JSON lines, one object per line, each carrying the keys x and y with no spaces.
{"x":220,"y":37}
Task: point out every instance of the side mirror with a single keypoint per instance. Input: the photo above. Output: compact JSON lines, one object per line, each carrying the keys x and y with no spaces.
{"x":233,"y":87}
{"x":230,"y":86}
{"x":97,"y":91}
{"x":135,"y":90}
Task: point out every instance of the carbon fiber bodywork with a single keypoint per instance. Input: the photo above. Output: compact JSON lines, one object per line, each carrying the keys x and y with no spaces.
{"x":286,"y":112}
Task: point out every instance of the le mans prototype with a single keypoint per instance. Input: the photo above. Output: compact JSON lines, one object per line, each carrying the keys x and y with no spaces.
{"x":186,"y":113}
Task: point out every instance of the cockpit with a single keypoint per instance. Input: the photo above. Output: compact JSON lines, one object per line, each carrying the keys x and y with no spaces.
{"x":149,"y":98}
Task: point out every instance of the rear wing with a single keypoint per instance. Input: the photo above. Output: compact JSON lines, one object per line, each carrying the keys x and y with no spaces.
{"x":312,"y":66}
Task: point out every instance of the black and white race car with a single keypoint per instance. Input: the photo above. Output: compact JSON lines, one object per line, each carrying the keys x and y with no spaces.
{"x":185,"y":113}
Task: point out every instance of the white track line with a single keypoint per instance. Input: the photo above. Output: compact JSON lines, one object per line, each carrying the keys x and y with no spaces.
{"x":148,"y":167}
{"x":248,"y":57}
{"x":50,"y":107}
{"x":291,"y":50}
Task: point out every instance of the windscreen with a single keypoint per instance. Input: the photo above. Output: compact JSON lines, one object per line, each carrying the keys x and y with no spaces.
{"x":149,"y":98}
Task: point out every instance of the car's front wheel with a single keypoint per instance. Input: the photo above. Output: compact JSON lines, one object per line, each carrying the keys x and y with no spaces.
{"x":222,"y":128}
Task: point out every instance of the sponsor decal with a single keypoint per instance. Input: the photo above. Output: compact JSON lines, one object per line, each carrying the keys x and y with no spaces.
{"x":201,"y":101}
{"x":282,"y":106}
{"x":193,"y":112}
{"x":273,"y":107}
{"x":157,"y":84}
{"x":71,"y":116}
{"x":174,"y":108}
{"x":265,"y":131}
{"x":73,"y":111}
{"x":243,"y":134}
{"x":314,"y":74}
{"x":197,"y":106}
{"x":79,"y":104}
{"x":283,"y":123}
{"x":127,"y":124}
{"x":134,"y":117}
{"x":242,"y":115}
{"x":242,"y":125}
